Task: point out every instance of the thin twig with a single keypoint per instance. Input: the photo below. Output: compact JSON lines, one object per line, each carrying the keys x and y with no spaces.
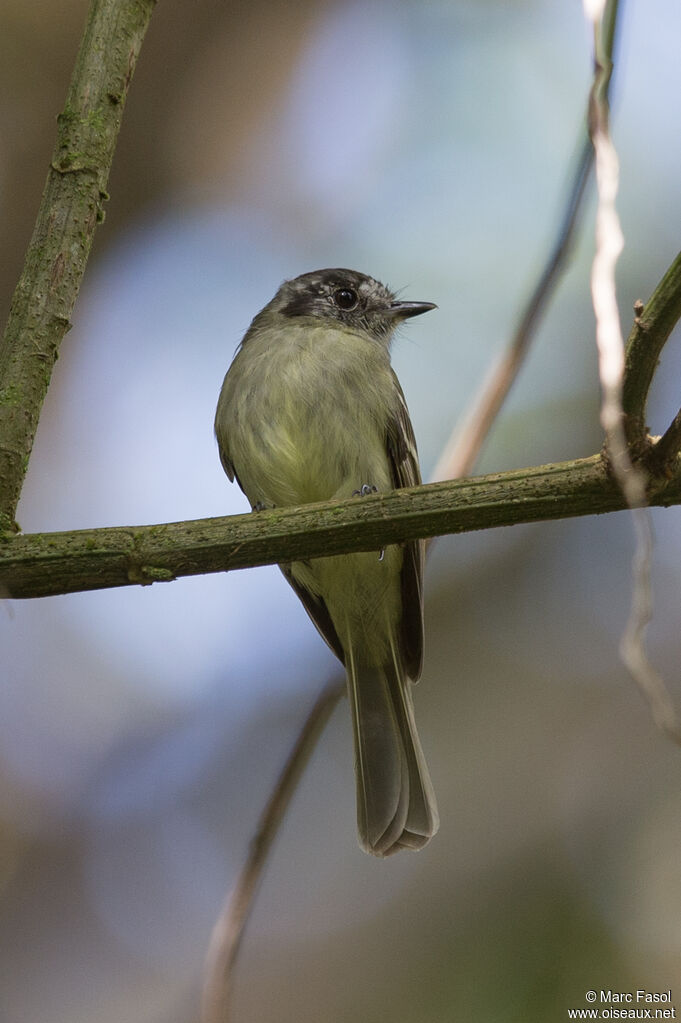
{"x":611,"y":361}
{"x":462,"y":450}
{"x":227,"y":933}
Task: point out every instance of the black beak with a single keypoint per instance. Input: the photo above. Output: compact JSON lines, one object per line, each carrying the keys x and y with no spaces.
{"x":402,"y":310}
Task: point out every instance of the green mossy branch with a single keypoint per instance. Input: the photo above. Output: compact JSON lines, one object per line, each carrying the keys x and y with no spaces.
{"x":51,"y":563}
{"x":71,"y":208}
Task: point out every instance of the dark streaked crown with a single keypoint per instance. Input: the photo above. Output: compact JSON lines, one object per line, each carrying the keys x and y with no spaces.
{"x":353,"y":299}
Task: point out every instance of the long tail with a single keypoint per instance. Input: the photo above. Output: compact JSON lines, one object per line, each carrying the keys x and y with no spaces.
{"x":396,"y":806}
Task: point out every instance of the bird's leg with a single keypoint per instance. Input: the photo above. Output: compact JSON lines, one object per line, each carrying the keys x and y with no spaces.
{"x":364,"y":491}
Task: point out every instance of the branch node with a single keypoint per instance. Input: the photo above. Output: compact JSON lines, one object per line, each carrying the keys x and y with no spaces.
{"x":145,"y":575}
{"x":69,"y":165}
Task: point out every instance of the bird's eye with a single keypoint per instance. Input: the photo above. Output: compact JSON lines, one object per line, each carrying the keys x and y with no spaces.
{"x":346,"y":298}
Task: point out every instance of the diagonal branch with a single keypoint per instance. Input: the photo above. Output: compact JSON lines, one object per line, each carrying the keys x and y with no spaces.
{"x":229,"y":928}
{"x":71,"y":208}
{"x":457,"y":460}
{"x":461,"y":452}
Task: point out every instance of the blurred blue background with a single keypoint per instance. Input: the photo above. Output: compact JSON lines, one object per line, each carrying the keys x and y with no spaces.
{"x":141,"y":730}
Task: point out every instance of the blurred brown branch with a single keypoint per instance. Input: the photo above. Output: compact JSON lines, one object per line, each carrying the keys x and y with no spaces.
{"x":462,"y":450}
{"x":71,"y":208}
{"x":229,"y":928}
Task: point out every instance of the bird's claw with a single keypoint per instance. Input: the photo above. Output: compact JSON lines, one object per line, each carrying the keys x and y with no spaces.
{"x":364,"y":491}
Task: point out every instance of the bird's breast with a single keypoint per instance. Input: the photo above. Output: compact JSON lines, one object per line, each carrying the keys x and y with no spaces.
{"x":308,"y":422}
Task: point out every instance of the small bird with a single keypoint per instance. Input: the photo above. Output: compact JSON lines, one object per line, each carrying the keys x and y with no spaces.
{"x":311,"y":410}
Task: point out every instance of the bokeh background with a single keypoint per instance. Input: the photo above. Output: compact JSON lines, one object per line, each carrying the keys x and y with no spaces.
{"x":141,"y":730}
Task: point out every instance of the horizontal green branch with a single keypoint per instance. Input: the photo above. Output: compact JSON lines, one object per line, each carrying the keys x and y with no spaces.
{"x":44,"y":564}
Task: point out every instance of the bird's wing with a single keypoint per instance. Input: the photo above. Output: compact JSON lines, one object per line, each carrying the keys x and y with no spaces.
{"x":404,"y":466}
{"x":227,"y":464}
{"x":318,"y":612}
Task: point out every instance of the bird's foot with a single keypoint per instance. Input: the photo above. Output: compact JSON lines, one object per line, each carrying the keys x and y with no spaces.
{"x":364,"y":491}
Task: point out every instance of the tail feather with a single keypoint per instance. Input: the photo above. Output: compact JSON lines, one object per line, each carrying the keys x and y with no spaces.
{"x":395,"y":802}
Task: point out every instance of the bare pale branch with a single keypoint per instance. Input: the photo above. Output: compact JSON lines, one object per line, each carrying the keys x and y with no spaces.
{"x":630,"y":476}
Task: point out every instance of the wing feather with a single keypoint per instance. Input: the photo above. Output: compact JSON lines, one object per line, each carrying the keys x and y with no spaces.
{"x":318,"y":612}
{"x":404,"y":466}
